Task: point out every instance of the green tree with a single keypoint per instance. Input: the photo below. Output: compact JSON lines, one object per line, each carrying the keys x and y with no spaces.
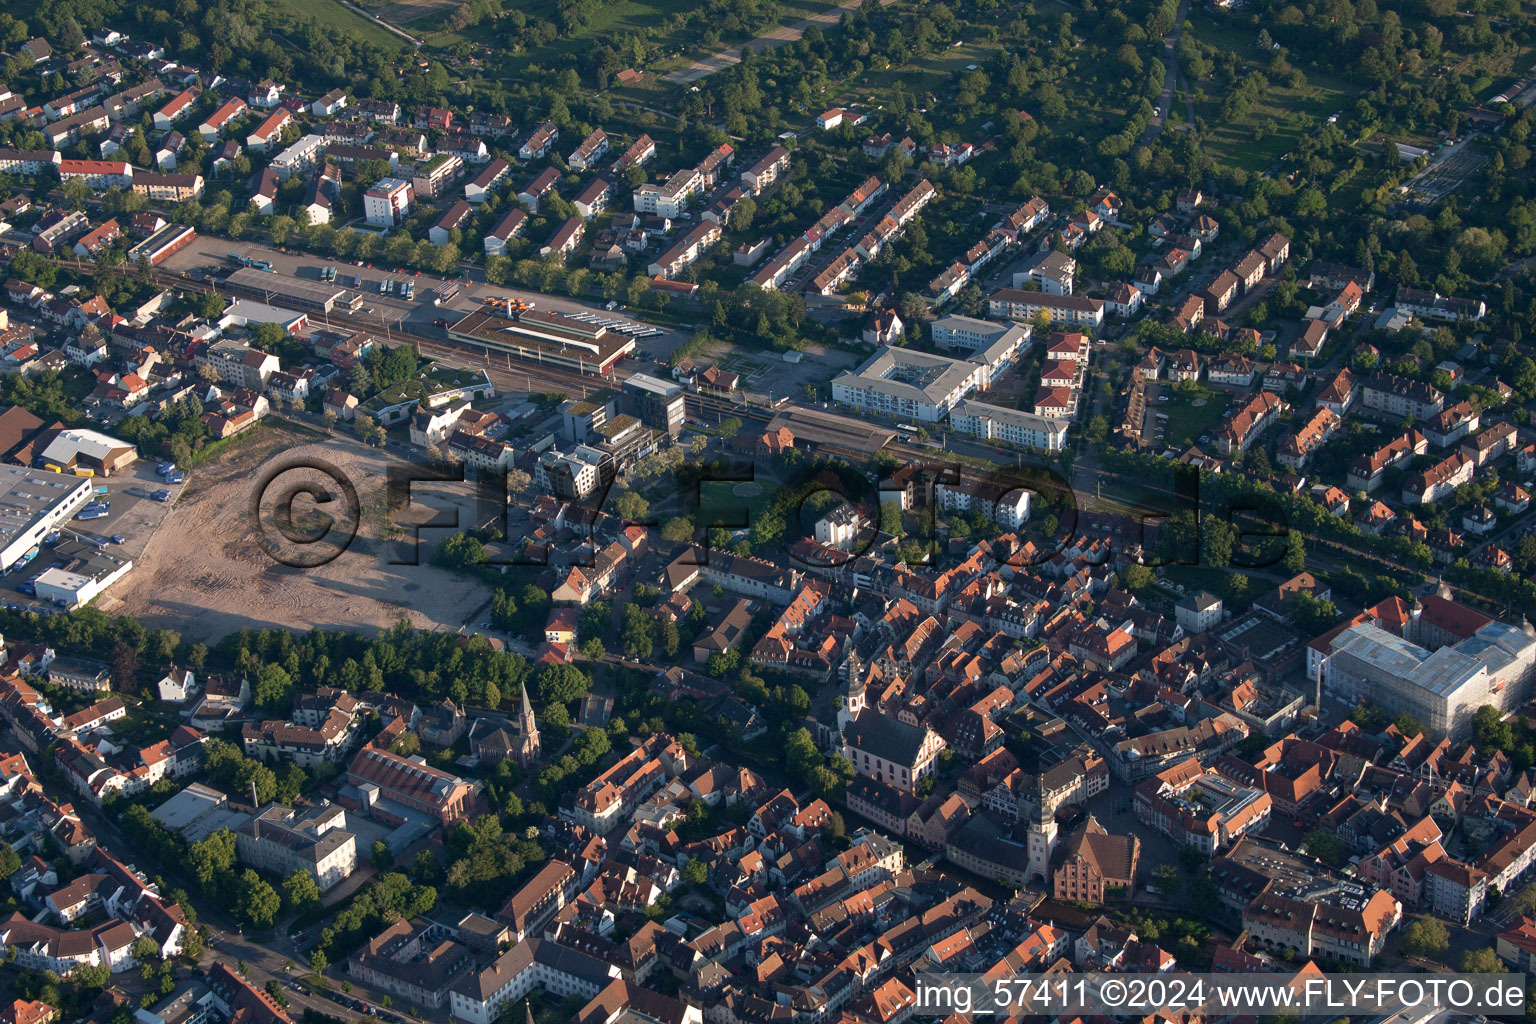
{"x":10,"y":861}
{"x":1136,"y":578}
{"x":632,"y":507}
{"x":1490,"y":730}
{"x":1482,"y":961}
{"x":144,"y":948}
{"x":459,"y":551}
{"x":273,"y":689}
{"x":1326,"y":847}
{"x":636,"y":633}
{"x":1295,"y":551}
{"x":91,"y":978}
{"x":302,"y":890}
{"x":1426,"y":937}
{"x":256,"y":903}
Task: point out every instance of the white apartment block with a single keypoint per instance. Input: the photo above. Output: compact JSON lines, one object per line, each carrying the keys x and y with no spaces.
{"x":970,"y":333}
{"x":1013,"y":426}
{"x":669,"y":199}
{"x":1008,"y":509}
{"x":388,"y":202}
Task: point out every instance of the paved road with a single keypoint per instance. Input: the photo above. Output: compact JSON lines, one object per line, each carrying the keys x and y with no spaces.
{"x":768,"y":40}
{"x":1170,"y":80}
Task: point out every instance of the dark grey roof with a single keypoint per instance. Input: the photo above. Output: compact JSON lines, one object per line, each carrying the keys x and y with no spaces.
{"x":885,"y":737}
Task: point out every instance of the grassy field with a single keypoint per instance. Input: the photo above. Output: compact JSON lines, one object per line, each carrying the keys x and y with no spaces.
{"x":719,"y":502}
{"x":925,"y":81}
{"x":333,"y":14}
{"x":1292,"y":111}
{"x":1188,"y":421}
{"x":610,"y":22}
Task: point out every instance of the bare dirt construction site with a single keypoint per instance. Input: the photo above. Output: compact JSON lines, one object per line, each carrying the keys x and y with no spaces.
{"x":224,"y":560}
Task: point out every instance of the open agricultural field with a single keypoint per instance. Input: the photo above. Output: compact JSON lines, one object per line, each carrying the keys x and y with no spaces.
{"x":414,"y":15}
{"x":334,"y":15}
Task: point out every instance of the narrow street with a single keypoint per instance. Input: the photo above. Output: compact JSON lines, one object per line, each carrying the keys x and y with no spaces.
{"x":1171,"y":79}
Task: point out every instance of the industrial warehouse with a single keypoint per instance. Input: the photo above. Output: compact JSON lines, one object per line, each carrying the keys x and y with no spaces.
{"x":543,"y":337}
{"x":34,"y":503}
{"x":79,"y":572}
{"x":304,"y":295}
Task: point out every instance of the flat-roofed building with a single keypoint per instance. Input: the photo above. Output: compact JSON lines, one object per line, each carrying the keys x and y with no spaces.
{"x":163,"y":244}
{"x":388,"y":202}
{"x":970,"y":333}
{"x":908,"y":384}
{"x":81,"y":578}
{"x":34,"y":504}
{"x":294,"y":293}
{"x":544,"y":337}
{"x":658,"y":403}
{"x":1021,"y":305}
{"x":1443,"y":687}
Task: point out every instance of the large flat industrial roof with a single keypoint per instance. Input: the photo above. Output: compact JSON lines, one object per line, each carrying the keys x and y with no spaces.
{"x":543,"y":337}
{"x":299,"y":294}
{"x":1441,"y":672}
{"x":27,"y":494}
{"x":817,"y":427}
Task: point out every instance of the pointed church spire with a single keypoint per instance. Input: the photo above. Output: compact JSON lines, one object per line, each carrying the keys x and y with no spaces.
{"x":528,"y":733}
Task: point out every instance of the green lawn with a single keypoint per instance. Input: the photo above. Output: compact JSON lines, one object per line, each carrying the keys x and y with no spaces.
{"x":718,"y":502}
{"x":920,"y":78}
{"x":333,"y":14}
{"x":1188,"y":421}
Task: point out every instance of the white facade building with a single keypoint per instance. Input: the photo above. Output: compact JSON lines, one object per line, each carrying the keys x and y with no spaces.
{"x":997,"y":423}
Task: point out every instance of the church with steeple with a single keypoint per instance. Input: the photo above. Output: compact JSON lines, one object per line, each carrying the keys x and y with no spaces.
{"x":880,"y":746}
{"x":527,"y":734}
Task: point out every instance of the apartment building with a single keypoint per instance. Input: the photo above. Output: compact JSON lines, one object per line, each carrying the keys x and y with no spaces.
{"x":281,"y":840}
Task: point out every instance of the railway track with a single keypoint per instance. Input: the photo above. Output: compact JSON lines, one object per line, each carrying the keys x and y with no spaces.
{"x":513,"y":374}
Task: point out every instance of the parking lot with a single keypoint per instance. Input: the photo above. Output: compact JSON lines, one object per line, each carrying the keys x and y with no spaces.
{"x":133,"y":516}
